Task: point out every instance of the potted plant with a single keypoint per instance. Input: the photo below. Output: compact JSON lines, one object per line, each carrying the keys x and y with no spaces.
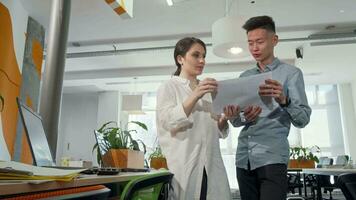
{"x":120,"y":149}
{"x":157,"y":159}
{"x":303,"y":157}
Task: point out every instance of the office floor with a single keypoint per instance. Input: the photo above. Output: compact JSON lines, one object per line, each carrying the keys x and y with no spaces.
{"x":337,"y":195}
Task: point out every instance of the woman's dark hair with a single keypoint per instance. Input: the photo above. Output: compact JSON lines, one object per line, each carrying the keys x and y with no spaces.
{"x":182,"y":47}
{"x":264,"y":22}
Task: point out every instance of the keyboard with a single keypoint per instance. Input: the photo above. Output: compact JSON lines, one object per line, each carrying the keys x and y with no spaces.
{"x":112,"y":170}
{"x":101,"y":171}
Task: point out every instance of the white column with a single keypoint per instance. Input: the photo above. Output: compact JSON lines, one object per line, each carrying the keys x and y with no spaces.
{"x":51,"y":92}
{"x":348,"y":118}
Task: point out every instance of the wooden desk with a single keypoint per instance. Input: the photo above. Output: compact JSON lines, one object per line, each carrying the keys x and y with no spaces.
{"x":326,"y":172}
{"x":299,"y":171}
{"x":22,"y":187}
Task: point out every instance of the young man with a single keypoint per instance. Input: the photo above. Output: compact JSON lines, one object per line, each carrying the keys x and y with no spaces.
{"x":263,"y":148}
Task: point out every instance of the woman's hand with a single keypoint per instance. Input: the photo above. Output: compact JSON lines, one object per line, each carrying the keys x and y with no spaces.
{"x":205,"y":86}
{"x":231,"y":111}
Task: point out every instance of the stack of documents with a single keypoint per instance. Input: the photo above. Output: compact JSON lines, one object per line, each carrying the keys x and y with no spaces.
{"x":10,"y":170}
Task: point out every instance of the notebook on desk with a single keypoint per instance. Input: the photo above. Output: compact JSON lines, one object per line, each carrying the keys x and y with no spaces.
{"x":102,"y":150}
{"x":37,"y":138}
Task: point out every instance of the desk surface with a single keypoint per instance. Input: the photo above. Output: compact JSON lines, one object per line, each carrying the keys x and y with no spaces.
{"x":19,"y":187}
{"x":295,"y":169}
{"x":328,"y":171}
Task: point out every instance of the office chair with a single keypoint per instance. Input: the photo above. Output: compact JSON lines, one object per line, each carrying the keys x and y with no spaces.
{"x":294,"y":182}
{"x":148,"y":187}
{"x":324,"y":181}
{"x":347,"y":183}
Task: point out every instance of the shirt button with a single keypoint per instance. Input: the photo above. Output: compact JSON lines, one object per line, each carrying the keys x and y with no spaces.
{"x":249,"y":151}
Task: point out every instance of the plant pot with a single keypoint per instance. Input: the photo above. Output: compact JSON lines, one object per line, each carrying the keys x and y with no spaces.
{"x":124,"y":158}
{"x":158,"y":163}
{"x":294,"y":163}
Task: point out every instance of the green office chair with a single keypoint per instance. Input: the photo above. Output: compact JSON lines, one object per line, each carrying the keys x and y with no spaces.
{"x":148,"y":187}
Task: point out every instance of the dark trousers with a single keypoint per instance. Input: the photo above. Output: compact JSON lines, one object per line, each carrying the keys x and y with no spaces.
{"x":204,"y":186}
{"x":264,"y":183}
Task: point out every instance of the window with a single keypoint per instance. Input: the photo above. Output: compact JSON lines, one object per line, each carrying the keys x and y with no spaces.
{"x":324,"y":128}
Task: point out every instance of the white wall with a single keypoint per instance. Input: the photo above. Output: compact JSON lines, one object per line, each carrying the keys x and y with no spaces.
{"x":333,"y":64}
{"x":81,"y":114}
{"x":108,"y":107}
{"x":78,"y":120}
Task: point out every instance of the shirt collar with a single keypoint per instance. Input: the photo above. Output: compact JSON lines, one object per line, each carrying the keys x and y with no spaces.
{"x":181,"y":80}
{"x":271,"y":66}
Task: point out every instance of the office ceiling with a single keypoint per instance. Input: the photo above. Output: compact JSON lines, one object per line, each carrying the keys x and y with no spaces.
{"x":94,"y":27}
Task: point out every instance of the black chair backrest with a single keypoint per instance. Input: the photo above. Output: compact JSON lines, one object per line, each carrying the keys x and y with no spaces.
{"x":347,"y":184}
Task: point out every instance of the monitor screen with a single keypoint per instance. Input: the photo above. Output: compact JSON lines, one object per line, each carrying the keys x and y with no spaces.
{"x":102,"y":146}
{"x":36,"y":136}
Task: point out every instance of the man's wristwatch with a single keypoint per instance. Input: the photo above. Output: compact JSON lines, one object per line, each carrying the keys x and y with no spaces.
{"x":286,"y":104}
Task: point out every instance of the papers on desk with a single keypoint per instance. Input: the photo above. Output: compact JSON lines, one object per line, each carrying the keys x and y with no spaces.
{"x":10,"y":170}
{"x":4,"y":153}
{"x":243,"y":92}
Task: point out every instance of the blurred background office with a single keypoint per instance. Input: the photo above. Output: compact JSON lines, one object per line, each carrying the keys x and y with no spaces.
{"x":110,"y":57}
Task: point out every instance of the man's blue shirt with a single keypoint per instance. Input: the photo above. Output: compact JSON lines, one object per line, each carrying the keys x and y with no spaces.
{"x":265,"y":141}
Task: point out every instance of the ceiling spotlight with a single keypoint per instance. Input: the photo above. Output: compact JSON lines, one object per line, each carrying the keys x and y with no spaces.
{"x":235,"y":50}
{"x":170,"y":2}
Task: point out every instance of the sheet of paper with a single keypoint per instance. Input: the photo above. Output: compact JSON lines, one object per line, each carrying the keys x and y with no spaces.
{"x":42,"y":172}
{"x":243,"y":92}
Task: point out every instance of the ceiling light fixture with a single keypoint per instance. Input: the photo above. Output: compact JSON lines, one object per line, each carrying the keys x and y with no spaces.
{"x":124,"y":8}
{"x":170,"y":2}
{"x":132,"y":103}
{"x":228,"y":37}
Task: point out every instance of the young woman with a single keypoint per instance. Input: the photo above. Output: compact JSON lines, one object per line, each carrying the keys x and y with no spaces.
{"x":188,"y":131}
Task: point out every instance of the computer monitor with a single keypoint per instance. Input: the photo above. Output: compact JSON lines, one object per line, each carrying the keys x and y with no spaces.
{"x":36,"y":136}
{"x":102,"y":146}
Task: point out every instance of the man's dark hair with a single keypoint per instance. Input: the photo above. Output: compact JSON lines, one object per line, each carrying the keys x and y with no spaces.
{"x":264,"y":22}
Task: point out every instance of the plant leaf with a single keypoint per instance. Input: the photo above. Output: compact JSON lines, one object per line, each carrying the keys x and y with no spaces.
{"x":104,"y":125}
{"x":144,"y":146}
{"x":142,"y":125}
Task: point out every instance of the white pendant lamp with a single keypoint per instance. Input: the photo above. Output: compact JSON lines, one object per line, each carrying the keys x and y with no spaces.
{"x":229,"y":39}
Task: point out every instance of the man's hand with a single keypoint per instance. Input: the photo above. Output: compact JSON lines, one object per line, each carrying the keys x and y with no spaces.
{"x":251,"y":113}
{"x":273,"y":88}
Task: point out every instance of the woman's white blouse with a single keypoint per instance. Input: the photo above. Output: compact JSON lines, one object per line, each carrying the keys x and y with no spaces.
{"x":190,"y":143}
